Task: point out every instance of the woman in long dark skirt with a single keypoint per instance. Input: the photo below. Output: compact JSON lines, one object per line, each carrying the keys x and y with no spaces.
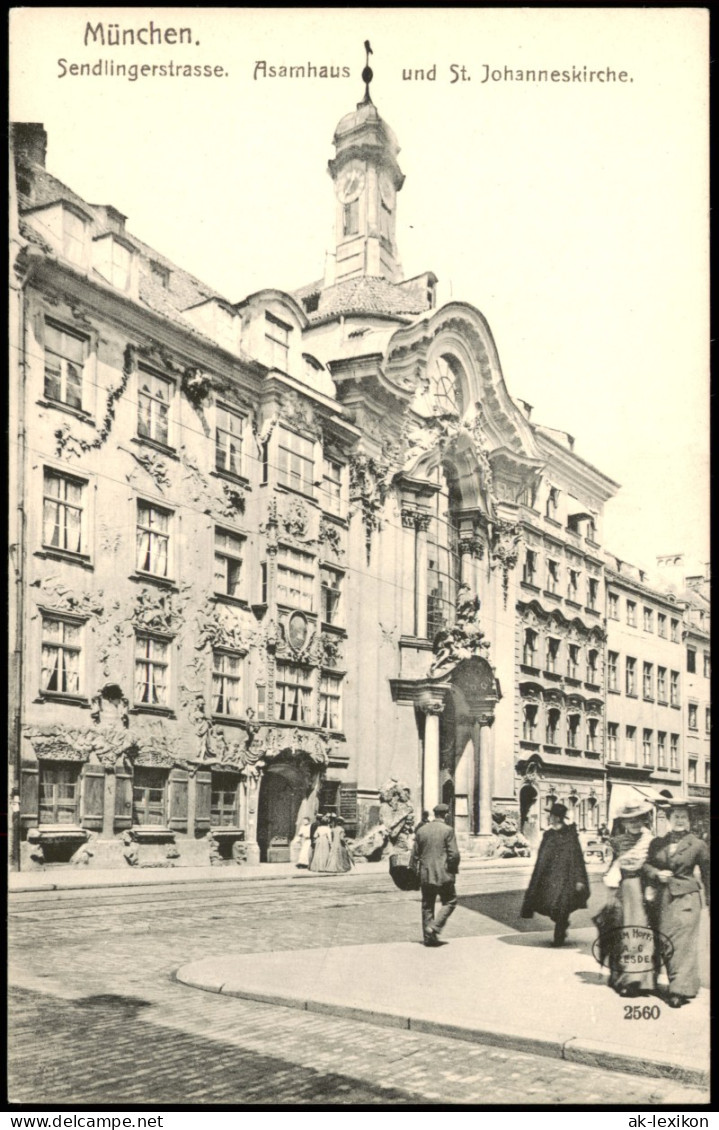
{"x":559,"y":883}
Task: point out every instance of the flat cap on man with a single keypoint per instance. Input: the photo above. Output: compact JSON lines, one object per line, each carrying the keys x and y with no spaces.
{"x":441,"y":809}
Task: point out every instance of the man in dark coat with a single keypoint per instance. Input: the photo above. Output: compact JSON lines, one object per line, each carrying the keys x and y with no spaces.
{"x":436,"y":856}
{"x":559,"y":882}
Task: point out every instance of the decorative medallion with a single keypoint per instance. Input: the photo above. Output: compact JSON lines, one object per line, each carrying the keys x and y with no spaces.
{"x":297,"y":631}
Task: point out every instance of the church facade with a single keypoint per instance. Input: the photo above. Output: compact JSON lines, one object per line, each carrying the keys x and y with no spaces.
{"x":297,"y":553}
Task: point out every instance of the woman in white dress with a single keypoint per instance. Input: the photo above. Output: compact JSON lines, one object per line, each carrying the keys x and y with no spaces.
{"x":304,"y":843}
{"x":323,"y":845}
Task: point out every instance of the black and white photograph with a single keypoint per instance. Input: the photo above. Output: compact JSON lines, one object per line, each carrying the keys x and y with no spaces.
{"x":359,"y":576}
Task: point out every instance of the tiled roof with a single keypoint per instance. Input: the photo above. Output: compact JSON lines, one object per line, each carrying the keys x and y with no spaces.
{"x":364,"y":295}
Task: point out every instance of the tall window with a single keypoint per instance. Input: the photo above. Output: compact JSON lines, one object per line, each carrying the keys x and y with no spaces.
{"x":552,"y":655}
{"x":153,"y":539}
{"x":73,"y":237}
{"x":693,"y":716}
{"x":295,"y":466}
{"x":573,"y":724}
{"x":149,"y":788}
{"x":661,"y":625}
{"x":692,"y":771}
{"x":675,"y":631}
{"x":152,"y":663}
{"x":530,"y":647}
{"x":631,"y":613}
{"x":63,"y":511}
{"x":228,"y":563}
{"x":385,"y":221}
{"x":529,"y":569}
{"x":573,"y":660}
{"x":592,"y":593}
{"x":331,"y":595}
{"x":331,"y":486}
{"x":647,"y":752}
{"x":592,"y":661}
{"x":612,"y":606}
{"x":117,"y":265}
{"x":331,"y":702}
{"x":662,"y":684}
{"x":552,"y":503}
{"x":648,"y":681}
{"x":648,"y":619}
{"x":295,"y":579}
{"x":228,"y":441}
{"x":553,"y":722}
{"x":223,"y":800}
{"x":592,"y":734}
{"x":674,"y":751}
{"x":65,"y":356}
{"x":691,"y":660}
{"x":631,"y":686}
{"x":153,"y":406}
{"x":707,"y":665}
{"x":630,"y":746}
{"x":226,"y":670}
{"x":293,"y":694}
{"x":529,"y":728}
{"x":661,"y":749}
{"x":552,"y":576}
{"x":350,"y":218}
{"x":61,"y":654}
{"x":612,"y":740}
{"x":674,"y":688}
{"x":573,"y":584}
{"x":613,"y":670}
{"x":59,"y":792}
{"x":277,"y":336}
{"x":708,"y":720}
{"x":442,"y":570}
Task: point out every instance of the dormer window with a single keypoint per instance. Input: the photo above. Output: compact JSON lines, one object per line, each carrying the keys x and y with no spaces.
{"x":160,"y":274}
{"x":277,"y":336}
{"x":73,"y":237}
{"x":113,"y":260}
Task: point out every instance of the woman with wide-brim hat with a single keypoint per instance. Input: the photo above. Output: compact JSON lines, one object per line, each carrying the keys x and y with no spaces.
{"x":626,"y":941}
{"x":670,"y":868}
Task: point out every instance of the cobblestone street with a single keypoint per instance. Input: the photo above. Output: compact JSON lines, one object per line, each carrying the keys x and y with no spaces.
{"x":96,"y":1016}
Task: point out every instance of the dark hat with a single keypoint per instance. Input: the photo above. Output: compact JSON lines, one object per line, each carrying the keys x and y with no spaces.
{"x":441,"y":809}
{"x":559,"y":810}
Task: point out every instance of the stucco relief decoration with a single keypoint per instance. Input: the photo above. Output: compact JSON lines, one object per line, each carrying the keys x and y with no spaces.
{"x":156,"y":611}
{"x":274,"y":740}
{"x":224,"y":500}
{"x":506,"y":539}
{"x":152,"y":464}
{"x":68,"y":444}
{"x":196,"y":386}
{"x":295,"y":519}
{"x":462,"y":641}
{"x":330,"y":538}
{"x":112,"y":704}
{"x":370,"y":481}
{"x":230,"y":503}
{"x":330,"y":649}
{"x":58,"y":597}
{"x":220,"y":626}
{"x":299,"y":413}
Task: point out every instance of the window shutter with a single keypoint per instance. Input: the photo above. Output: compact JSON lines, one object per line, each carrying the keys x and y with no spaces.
{"x":203,"y":792}
{"x":177,"y":800}
{"x":93,"y":797}
{"x":123,"y":800}
{"x":30,"y":793}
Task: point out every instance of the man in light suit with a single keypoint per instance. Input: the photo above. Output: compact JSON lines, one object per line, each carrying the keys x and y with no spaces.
{"x":436,"y":856}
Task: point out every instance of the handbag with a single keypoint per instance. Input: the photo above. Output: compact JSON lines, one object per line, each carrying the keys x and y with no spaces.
{"x":403,"y":876}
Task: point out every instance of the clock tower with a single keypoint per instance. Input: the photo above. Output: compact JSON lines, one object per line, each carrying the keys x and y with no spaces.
{"x":367,"y":179}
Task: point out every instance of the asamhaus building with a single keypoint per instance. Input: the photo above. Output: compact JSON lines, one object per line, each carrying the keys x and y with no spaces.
{"x":291,"y":554}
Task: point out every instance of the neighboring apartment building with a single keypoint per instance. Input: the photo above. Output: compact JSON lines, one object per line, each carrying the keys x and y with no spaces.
{"x":294,"y":553}
{"x":646,"y":683}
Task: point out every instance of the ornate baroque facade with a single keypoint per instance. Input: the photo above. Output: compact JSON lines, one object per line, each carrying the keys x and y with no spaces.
{"x":269,"y":555}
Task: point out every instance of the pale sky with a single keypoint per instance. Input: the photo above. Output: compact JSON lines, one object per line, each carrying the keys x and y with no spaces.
{"x":573,"y":215}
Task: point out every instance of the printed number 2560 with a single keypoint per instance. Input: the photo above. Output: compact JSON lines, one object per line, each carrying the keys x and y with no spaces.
{"x":642,"y":1012}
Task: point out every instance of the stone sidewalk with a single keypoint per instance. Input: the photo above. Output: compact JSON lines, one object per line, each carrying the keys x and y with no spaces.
{"x":560,"y":1007}
{"x":85,"y":878}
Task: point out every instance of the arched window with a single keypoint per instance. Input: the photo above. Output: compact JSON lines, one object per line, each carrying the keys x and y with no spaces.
{"x":445,"y":374}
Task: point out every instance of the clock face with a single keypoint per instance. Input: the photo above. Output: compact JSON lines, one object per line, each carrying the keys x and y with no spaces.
{"x":386,"y":188}
{"x":350,"y":183}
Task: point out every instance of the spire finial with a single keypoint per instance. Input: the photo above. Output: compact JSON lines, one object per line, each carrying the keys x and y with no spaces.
{"x":367,"y":75}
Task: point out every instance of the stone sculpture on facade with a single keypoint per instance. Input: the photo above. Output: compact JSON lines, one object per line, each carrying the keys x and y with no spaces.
{"x":463,"y":640}
{"x":396,"y":823}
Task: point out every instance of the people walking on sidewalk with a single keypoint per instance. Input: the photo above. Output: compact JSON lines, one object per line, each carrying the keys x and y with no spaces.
{"x":339,"y":860}
{"x":670,"y":867}
{"x":625,"y":939}
{"x":321,"y":854}
{"x":436,"y":856}
{"x":559,"y":883}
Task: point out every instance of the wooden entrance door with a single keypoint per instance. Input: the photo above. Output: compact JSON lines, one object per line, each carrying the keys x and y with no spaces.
{"x":281,"y":794}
